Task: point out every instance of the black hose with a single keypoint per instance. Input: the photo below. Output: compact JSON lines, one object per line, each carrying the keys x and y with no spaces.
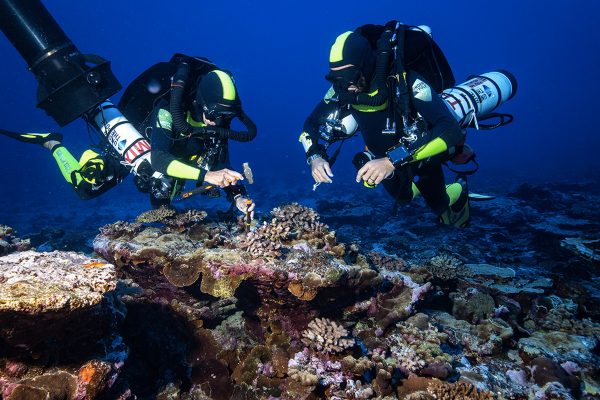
{"x":379,"y":83}
{"x":226,"y":133}
{"x":176,"y":103}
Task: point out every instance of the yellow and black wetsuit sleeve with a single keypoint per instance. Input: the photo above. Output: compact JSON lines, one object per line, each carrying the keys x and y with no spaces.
{"x":310,"y":130}
{"x":163,"y":160}
{"x":445,"y":131}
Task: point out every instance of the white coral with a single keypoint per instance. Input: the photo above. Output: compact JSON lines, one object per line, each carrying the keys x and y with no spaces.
{"x":325,"y":335}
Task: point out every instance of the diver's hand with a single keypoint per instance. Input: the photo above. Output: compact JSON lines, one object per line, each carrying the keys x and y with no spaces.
{"x":321,"y":171}
{"x":375,"y":171}
{"x":223,"y":177}
{"x":245,"y":204}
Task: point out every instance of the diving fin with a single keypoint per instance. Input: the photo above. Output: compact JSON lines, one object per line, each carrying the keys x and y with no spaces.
{"x":35,"y":138}
{"x":480,"y":197}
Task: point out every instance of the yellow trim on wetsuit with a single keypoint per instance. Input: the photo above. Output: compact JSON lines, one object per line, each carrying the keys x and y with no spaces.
{"x":177,"y":169}
{"x":364,"y":108}
{"x":193,"y":122}
{"x":454,"y":190}
{"x":433,"y":148}
{"x":67,"y":164}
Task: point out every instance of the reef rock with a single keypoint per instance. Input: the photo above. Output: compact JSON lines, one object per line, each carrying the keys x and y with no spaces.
{"x":9,"y":242}
{"x":47,"y":296}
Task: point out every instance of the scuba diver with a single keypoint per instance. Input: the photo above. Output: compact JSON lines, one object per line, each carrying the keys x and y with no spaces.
{"x":190,"y":129}
{"x":92,"y":175}
{"x":190,"y":147}
{"x":385,"y":84}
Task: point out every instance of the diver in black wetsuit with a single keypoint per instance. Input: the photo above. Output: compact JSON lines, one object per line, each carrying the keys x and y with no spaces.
{"x":195,"y":147}
{"x":358,"y":73}
{"x":91,"y":176}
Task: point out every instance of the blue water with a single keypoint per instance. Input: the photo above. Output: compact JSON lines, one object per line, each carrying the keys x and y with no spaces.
{"x":278,"y":53}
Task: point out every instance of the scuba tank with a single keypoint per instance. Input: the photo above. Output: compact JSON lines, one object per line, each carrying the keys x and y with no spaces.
{"x":477,"y":98}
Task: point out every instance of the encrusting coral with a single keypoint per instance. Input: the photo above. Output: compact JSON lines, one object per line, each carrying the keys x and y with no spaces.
{"x":325,"y":335}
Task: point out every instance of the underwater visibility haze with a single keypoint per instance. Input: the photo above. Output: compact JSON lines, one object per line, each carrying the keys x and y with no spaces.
{"x":332,"y":291}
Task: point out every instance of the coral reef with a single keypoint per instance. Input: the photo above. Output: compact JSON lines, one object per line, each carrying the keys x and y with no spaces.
{"x":9,"y":242}
{"x":204,"y":310}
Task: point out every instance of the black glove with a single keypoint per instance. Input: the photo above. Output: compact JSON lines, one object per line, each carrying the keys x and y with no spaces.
{"x":385,"y":44}
{"x":346,"y":98}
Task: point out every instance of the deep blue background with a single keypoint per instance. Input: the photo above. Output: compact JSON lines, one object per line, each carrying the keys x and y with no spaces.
{"x":278,"y":52}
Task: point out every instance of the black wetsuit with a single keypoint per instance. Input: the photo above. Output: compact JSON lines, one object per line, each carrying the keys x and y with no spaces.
{"x":371,"y":121}
{"x":187,"y":157}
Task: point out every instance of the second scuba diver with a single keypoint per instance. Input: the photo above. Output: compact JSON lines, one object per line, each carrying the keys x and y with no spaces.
{"x":408,"y":135}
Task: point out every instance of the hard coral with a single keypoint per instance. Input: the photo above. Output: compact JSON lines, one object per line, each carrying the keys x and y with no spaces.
{"x":325,"y":335}
{"x":303,"y":221}
{"x":120,"y":228}
{"x":156,"y":215}
{"x":458,"y":390}
{"x":447,"y":267}
{"x":414,"y":349}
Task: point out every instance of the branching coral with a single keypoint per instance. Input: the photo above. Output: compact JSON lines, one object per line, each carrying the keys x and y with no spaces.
{"x":265,"y":241}
{"x":458,"y":390}
{"x":303,"y":221}
{"x":325,"y":335}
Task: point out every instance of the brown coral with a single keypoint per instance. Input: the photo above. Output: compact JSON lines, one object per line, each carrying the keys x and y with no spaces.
{"x":156,"y":215}
{"x":458,"y":390}
{"x":325,"y":335}
{"x":120,"y":228}
{"x":389,"y":263}
{"x":447,"y":267}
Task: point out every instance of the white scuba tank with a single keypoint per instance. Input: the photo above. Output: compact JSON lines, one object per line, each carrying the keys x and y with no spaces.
{"x":122,"y":136}
{"x":479,"y":96}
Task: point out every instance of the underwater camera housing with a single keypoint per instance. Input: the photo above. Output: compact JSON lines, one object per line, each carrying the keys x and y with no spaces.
{"x":68,"y":86}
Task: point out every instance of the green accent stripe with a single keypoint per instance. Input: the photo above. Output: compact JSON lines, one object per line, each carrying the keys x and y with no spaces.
{"x":363,"y":108}
{"x":66,"y":163}
{"x":193,"y":122}
{"x":87,"y":156}
{"x":337,"y":50}
{"x":177,"y":169}
{"x":433,"y":148}
{"x":34,"y":135}
{"x":415,"y":190}
{"x":454,"y":190}
{"x":226,"y":84}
